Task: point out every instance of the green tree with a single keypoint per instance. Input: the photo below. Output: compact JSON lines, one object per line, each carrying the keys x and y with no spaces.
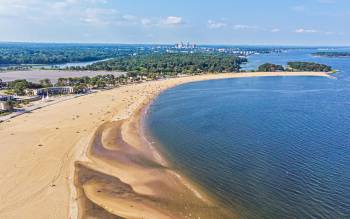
{"x":309,"y":66}
{"x":45,"y":83}
{"x":268,"y":67}
{"x":19,"y":88}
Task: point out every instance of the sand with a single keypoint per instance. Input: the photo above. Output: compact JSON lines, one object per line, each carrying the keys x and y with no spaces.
{"x":87,"y":158}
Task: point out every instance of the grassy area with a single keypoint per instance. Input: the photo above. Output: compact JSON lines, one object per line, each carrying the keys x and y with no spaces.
{"x":5,"y":113}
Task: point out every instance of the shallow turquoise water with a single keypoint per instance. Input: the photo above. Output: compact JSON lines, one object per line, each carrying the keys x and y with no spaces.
{"x":272,"y":147}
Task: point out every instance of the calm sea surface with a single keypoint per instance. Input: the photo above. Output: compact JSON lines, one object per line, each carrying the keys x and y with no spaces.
{"x":274,"y":147}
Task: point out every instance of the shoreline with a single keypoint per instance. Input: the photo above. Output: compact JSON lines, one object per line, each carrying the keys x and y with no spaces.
{"x":47,"y":154}
{"x":153,"y":153}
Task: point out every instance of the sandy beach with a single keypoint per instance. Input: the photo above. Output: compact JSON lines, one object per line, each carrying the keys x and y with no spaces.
{"x":87,"y":158}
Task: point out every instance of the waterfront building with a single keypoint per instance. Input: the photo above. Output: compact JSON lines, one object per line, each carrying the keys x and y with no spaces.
{"x":6,"y":98}
{"x":5,"y":106}
{"x":51,"y":90}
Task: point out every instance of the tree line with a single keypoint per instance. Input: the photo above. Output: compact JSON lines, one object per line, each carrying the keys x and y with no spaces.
{"x":51,"y":54}
{"x":295,"y":66}
{"x":170,"y":64}
{"x":333,"y":54}
{"x":80,"y":84}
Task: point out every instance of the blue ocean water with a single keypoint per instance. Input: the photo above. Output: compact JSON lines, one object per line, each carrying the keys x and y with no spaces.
{"x":269,"y":147}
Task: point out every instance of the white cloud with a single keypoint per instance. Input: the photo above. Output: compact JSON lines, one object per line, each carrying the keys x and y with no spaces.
{"x":129,"y":17}
{"x":216,"y":24}
{"x":61,"y":5}
{"x":211,"y":24}
{"x":10,"y":8}
{"x":314,"y":31}
{"x":302,"y":30}
{"x":72,"y":1}
{"x":98,"y":16}
{"x":275,"y":30}
{"x":43,"y":10}
{"x":246,"y":27}
{"x":97,"y":1}
{"x":146,"y":22}
{"x":104,"y":16}
{"x":172,"y":21}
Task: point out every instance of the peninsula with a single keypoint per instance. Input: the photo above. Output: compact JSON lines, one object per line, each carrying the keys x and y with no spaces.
{"x":87,"y":158}
{"x":332,"y":54}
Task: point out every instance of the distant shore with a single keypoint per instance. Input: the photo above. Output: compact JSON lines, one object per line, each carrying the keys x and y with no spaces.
{"x":88,"y":157}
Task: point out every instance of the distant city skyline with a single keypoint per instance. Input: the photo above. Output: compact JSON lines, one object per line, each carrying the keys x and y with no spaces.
{"x":223,"y":22}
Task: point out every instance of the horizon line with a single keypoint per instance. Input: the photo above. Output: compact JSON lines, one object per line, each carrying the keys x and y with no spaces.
{"x":166,"y":44}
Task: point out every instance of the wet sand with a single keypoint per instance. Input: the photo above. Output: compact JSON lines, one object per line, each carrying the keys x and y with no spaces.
{"x":87,"y":158}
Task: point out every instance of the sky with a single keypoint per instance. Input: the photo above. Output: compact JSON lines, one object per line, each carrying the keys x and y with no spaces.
{"x":222,"y":22}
